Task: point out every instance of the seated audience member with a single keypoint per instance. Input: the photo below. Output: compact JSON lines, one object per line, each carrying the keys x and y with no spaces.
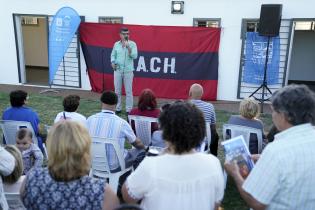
{"x":7,"y":165}
{"x":147,"y":107}
{"x":283,"y":177}
{"x":195,"y":95}
{"x":181,"y":178}
{"x":13,"y":182}
{"x":249,"y":112}
{"x":107,"y":124}
{"x":65,"y":184}
{"x":70,"y":105}
{"x":20,"y":112}
{"x":157,"y":139}
{"x":271,"y":134}
{"x":31,"y":154}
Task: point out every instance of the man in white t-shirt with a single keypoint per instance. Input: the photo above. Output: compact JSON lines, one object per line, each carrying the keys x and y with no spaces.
{"x":70,"y":106}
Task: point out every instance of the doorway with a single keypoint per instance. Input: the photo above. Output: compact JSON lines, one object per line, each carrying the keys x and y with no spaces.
{"x":32,"y":47}
{"x":302,"y":61}
{"x":31,"y":35}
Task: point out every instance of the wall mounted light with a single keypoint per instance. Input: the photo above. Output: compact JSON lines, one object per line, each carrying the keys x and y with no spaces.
{"x":177,"y":7}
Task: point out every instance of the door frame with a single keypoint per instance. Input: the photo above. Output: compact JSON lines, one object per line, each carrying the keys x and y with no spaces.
{"x":19,"y":43}
{"x":289,"y":54}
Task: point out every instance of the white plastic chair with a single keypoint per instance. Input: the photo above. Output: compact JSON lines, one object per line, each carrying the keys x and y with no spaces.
{"x":14,"y":201}
{"x":100,"y":165}
{"x":10,"y":127}
{"x":143,"y":127}
{"x":207,"y":138}
{"x":47,"y":128}
{"x":237,"y":130}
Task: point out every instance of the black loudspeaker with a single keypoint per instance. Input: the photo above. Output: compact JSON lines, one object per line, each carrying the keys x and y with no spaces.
{"x":270,"y":19}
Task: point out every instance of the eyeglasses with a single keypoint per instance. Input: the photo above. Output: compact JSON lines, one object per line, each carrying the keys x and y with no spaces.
{"x":125,"y":33}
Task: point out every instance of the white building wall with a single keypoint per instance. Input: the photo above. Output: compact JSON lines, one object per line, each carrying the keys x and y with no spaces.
{"x":149,"y":12}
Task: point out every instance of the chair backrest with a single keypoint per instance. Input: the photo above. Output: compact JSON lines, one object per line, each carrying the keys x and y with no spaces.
{"x":237,"y":130}
{"x":10,"y":127}
{"x":100,"y":156}
{"x":128,"y":207}
{"x":47,"y":128}
{"x":143,"y":127}
{"x":208,"y":136}
{"x":14,"y":201}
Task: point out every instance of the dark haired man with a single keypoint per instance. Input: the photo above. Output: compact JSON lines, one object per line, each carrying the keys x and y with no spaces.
{"x":122,"y":56}
{"x":108,"y":125}
{"x":284,"y":175}
{"x":20,"y":112}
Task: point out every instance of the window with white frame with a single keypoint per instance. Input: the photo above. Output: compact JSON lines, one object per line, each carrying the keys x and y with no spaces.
{"x":105,"y":19}
{"x":304,"y":25}
{"x":207,"y":22}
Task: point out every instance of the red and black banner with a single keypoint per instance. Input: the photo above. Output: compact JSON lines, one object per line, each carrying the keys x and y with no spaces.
{"x":170,"y":58}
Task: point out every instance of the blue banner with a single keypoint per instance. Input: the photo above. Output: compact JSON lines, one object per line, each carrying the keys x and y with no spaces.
{"x":63,"y":27}
{"x":255,"y":55}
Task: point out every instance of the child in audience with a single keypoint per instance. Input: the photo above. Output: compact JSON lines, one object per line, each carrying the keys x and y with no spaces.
{"x":13,"y":182}
{"x":32,"y":156}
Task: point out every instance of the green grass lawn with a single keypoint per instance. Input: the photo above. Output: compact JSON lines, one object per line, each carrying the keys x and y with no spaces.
{"x":48,"y":106}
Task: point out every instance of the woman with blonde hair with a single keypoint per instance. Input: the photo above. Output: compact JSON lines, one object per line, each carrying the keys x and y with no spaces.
{"x":65,"y":183}
{"x":249,"y":113}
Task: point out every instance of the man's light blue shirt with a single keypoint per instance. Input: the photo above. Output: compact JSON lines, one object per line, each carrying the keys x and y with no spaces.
{"x":108,"y":125}
{"x":121,"y":57}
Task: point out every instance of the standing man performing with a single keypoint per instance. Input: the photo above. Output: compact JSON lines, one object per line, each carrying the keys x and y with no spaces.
{"x":122,"y":56}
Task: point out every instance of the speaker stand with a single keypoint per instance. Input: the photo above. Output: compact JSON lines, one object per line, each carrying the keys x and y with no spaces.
{"x":264,"y":85}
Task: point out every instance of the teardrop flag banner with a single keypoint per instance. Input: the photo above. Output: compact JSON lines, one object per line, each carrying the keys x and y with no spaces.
{"x":63,"y":27}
